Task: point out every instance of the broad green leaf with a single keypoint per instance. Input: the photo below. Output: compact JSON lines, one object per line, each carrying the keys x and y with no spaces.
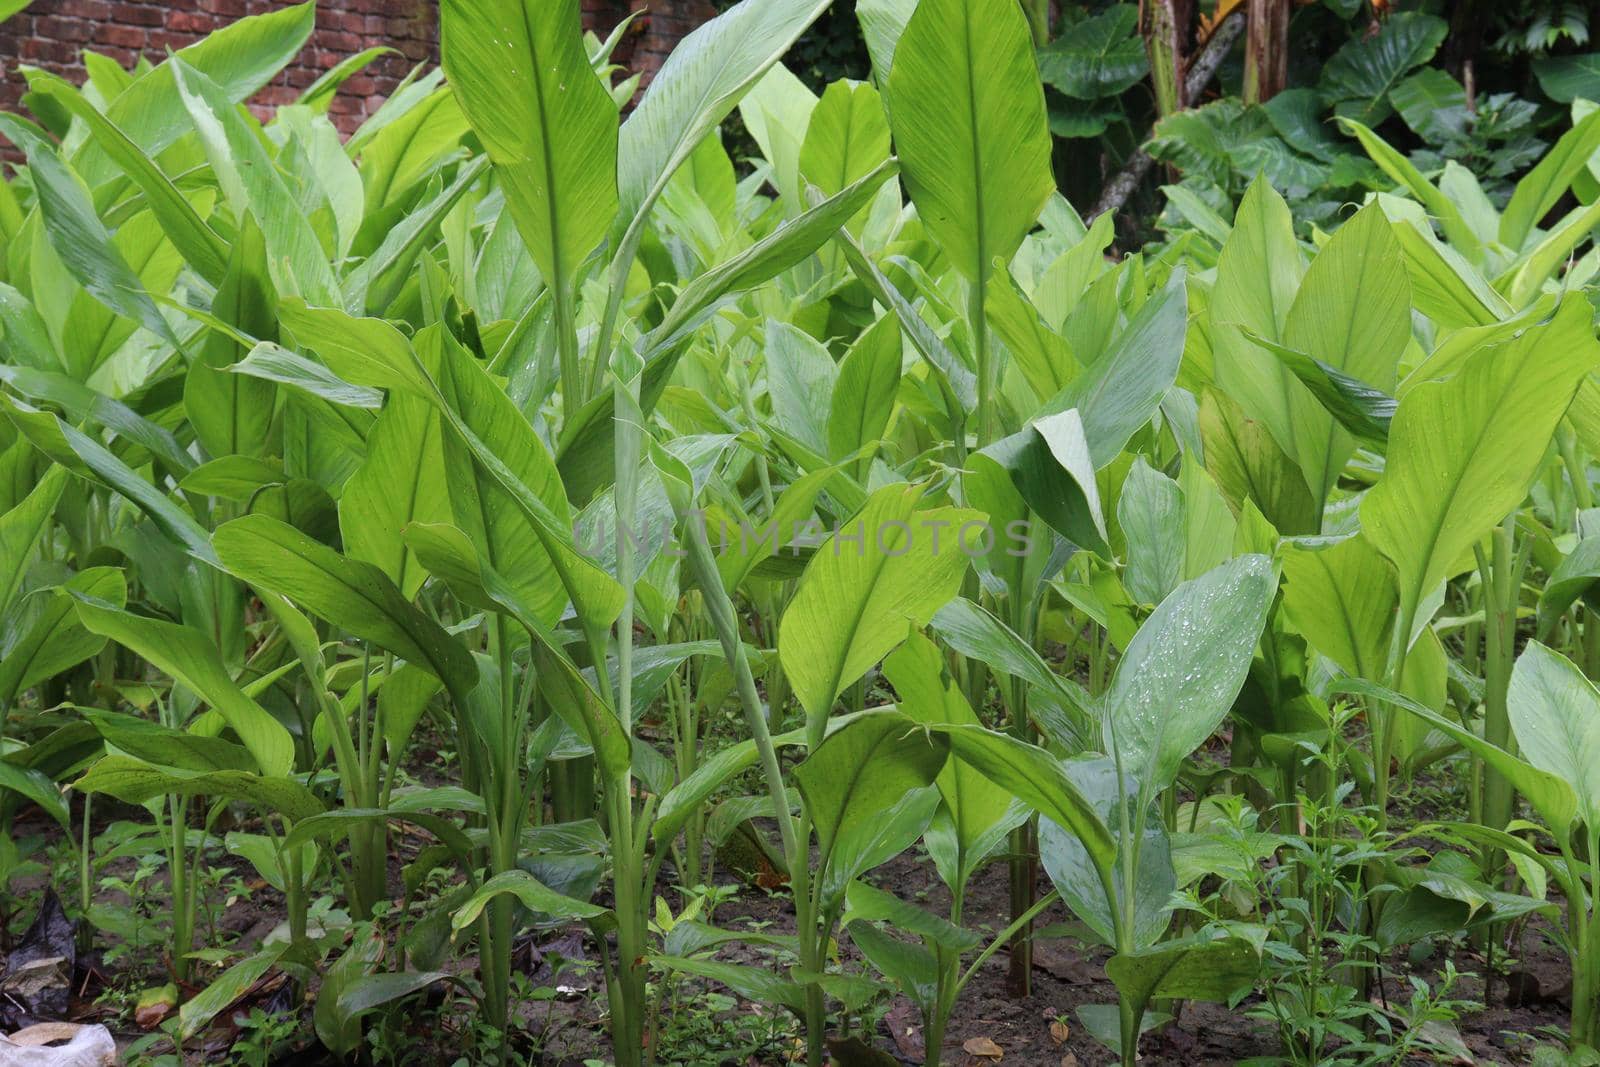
{"x":847,"y":137}
{"x":702,"y":80}
{"x":402,"y":481}
{"x":865,"y":766}
{"x":23,"y":529}
{"x":45,"y":638}
{"x":193,"y":660}
{"x":32,"y":784}
{"x":195,"y":1014}
{"x":1094,"y":896}
{"x":1178,"y":678}
{"x":688,"y":797}
{"x":1098,"y":57}
{"x":1549,"y":181}
{"x":1150,"y":511}
{"x":166,"y":746}
{"x":1041,"y":781}
{"x":252,"y":184}
{"x":1463,"y":451}
{"x":1353,"y":314}
{"x":80,"y":237}
{"x":976,"y":807}
{"x":506,"y":494}
{"x":1555,"y":714}
{"x":1043,"y":356}
{"x":967,"y":112}
{"x":85,"y":456}
{"x":1197,"y":967}
{"x":977,"y":634}
{"x":870,"y":904}
{"x":1249,"y":466}
{"x":352,"y":595}
{"x":532,"y":893}
{"x":881,"y":570}
{"x":134,"y":781}
{"x":1125,"y":384}
{"x":189,"y":233}
{"x":240,"y":58}
{"x":524,"y":81}
{"x":1575,"y":576}
{"x":800,"y":372}
{"x":1342,"y":597}
{"x":1051,"y":467}
{"x":864,"y":394}
{"x":232,"y":414}
{"x":1402,"y":170}
{"x":1357,"y":80}
{"x":1552,"y":797}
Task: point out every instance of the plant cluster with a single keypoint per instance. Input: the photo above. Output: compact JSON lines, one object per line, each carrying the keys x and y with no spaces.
{"x":490,"y":544}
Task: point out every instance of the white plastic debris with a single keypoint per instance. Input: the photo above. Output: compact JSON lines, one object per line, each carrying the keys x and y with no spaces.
{"x":59,"y":1045}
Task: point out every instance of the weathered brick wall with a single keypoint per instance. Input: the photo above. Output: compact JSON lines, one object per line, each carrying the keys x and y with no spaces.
{"x":53,"y":33}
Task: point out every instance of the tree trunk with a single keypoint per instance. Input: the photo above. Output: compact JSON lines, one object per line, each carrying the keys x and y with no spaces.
{"x":1165,"y":30}
{"x":1266,"y":50}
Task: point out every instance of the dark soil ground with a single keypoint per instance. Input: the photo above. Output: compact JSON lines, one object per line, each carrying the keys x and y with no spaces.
{"x":1040,"y":1029}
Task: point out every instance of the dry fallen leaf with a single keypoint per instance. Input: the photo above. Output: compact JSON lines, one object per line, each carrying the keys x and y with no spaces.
{"x":982,"y":1047}
{"x":1059,"y":1031}
{"x":1069,"y":1060}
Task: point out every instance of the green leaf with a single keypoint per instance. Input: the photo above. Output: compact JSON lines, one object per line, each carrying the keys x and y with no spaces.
{"x":23,"y":529}
{"x":81,"y":239}
{"x":196,"y":1013}
{"x":1050,"y":466}
{"x":163,"y":745}
{"x":1575,"y":576}
{"x":968,"y":117}
{"x":1097,"y":57}
{"x":860,"y":589}
{"x":193,"y":660}
{"x":352,"y":595}
{"x":1178,"y":678}
{"x":1567,"y":78}
{"x":135,"y":781}
{"x":401,"y":481}
{"x":975,"y":633}
{"x":1039,"y":780}
{"x":253,"y":184}
{"x":233,"y":414}
{"x":1550,"y":796}
{"x":978,"y":809}
{"x":45,"y":638}
{"x":240,"y":58}
{"x":847,"y":136}
{"x":532,"y":893}
{"x":1357,"y":80}
{"x":687,"y":798}
{"x":1099,"y":897}
{"x":870,"y":904}
{"x":190,"y":235}
{"x":35,"y":785}
{"x":1463,"y":451}
{"x":1353,"y":314}
{"x":1555,"y":714}
{"x":1197,"y":967}
{"x":1151,"y":513}
{"x":863,"y":396}
{"x":1402,"y":170}
{"x":1249,"y":466}
{"x":1342,"y":597}
{"x":1549,"y":181}
{"x":863,"y":768}
{"x":1120,"y":392}
{"x":524,"y":81}
{"x":702,"y":80}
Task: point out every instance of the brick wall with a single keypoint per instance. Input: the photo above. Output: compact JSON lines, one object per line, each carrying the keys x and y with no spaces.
{"x":52,"y":34}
